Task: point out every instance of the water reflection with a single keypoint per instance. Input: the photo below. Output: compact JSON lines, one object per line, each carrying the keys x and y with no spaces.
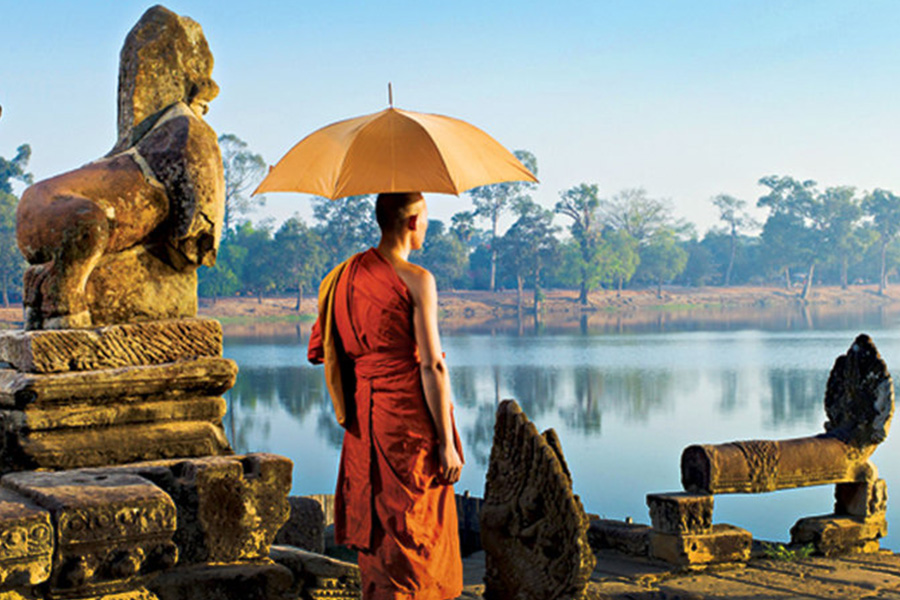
{"x":624,"y":404}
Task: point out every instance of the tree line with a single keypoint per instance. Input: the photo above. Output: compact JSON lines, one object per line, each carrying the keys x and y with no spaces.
{"x":835,"y":235}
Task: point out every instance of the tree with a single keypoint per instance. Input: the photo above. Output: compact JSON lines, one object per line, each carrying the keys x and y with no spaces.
{"x":345,"y":226}
{"x":527,"y":246}
{"x":15,"y":169}
{"x":221,"y":279}
{"x":640,"y":216}
{"x":623,"y":257}
{"x":491,"y":201}
{"x":581,"y":204}
{"x":841,"y":212}
{"x":663,"y":259}
{"x":256,"y":274}
{"x":884,"y":208}
{"x":444,"y":255}
{"x":297,"y":257}
{"x":12,"y":264}
{"x":733,"y":212}
{"x":798,"y":223}
{"x":243,"y":172}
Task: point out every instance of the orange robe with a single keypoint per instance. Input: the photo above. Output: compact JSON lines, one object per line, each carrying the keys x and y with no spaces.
{"x":389,"y":503}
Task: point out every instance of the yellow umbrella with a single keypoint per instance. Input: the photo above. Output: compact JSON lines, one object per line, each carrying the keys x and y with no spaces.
{"x":394,"y":151}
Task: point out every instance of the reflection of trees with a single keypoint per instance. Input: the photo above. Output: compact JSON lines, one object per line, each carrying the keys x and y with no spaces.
{"x":480,"y":436}
{"x":462,"y":383}
{"x":585,"y":414}
{"x":534,"y":388}
{"x":729,"y":400}
{"x":636,"y":393}
{"x":298,"y":389}
{"x":329,"y":429}
{"x":795,"y":396}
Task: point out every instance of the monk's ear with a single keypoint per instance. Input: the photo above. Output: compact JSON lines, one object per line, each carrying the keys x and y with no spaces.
{"x":412,"y":222}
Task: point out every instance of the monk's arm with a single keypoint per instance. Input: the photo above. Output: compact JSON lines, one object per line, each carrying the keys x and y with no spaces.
{"x":435,"y":378}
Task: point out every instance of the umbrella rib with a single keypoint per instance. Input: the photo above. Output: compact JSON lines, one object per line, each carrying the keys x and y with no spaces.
{"x":336,"y":190}
{"x":437,"y":150}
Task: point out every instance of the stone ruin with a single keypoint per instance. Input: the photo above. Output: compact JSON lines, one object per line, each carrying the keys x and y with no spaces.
{"x":116,"y":478}
{"x":859,"y":403}
{"x":533,"y":528}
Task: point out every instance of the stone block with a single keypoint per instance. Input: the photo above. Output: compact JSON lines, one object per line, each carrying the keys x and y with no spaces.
{"x":630,"y":538}
{"x":92,"y":447}
{"x":319,"y":577}
{"x":260,"y":581}
{"x":680,"y":512}
{"x":26,"y":542}
{"x":82,"y":415}
{"x":229,"y":508}
{"x":134,"y":285}
{"x":834,"y":535}
{"x":724,"y":544}
{"x":864,"y":499}
{"x":199,"y":377}
{"x":109,"y":527}
{"x":305,"y":527}
{"x":114,"y":346}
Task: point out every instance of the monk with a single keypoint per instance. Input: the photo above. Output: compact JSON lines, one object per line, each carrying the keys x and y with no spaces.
{"x":377,"y":334}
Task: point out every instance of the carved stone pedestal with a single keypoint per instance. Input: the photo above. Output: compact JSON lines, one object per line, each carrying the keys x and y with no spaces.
{"x":118,"y":394}
{"x":723,"y":544}
{"x":858,"y":523}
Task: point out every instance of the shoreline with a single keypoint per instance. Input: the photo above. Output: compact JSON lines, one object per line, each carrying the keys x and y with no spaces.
{"x":479,"y":309}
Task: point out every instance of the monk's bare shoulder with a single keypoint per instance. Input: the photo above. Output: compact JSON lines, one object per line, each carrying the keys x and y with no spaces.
{"x":419,"y":280}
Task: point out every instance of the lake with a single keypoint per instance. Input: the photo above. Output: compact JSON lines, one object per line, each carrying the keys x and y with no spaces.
{"x":625,"y":394}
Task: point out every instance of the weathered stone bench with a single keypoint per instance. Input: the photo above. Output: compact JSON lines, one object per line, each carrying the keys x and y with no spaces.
{"x":859,"y":403}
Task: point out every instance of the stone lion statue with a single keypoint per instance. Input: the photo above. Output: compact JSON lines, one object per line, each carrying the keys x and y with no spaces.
{"x":120,"y":238}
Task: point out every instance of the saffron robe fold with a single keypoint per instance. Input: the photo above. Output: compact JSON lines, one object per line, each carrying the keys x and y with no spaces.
{"x":390,"y":503}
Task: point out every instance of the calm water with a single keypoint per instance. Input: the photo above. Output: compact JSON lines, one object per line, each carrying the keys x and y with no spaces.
{"x":624,"y":399}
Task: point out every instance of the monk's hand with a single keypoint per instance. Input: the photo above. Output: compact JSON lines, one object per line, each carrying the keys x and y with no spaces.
{"x":450,"y":462}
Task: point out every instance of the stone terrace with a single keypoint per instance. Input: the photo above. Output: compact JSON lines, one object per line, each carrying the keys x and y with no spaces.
{"x":621,"y":577}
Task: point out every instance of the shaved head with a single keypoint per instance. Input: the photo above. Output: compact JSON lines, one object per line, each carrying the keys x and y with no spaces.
{"x":392,"y":210}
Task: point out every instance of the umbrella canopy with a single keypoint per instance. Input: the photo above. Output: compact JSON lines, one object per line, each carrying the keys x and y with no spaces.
{"x":394,"y":151}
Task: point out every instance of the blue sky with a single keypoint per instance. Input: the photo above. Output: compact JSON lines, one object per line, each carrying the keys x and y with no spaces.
{"x":686,"y":99}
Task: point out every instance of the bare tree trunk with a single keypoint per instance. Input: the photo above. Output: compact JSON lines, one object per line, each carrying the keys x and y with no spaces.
{"x":619,"y":287}
{"x":582,"y":295}
{"x":844,"y":268}
{"x":807,"y":285}
{"x":259,"y":298}
{"x":731,"y":258}
{"x":659,"y":288}
{"x":882,"y":281}
{"x":494,"y":252}
{"x":299,"y":295}
{"x":5,"y":290}
{"x":537,"y":290}
{"x":787,"y":277}
{"x":520,"y":284}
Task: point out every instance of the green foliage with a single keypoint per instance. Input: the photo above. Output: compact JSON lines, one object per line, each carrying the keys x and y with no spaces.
{"x":345,"y":226}
{"x":663,"y":259}
{"x":491,"y":201}
{"x":243,"y":172}
{"x":445,"y":255}
{"x":12,"y":264}
{"x":581,"y":205}
{"x":787,"y":554}
{"x":298,"y":258}
{"x":15,"y":169}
